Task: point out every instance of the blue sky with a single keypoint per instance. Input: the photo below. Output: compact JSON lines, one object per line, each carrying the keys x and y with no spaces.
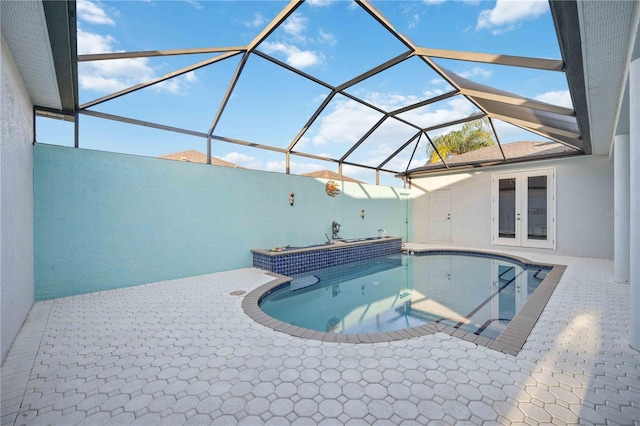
{"x":330,"y":40}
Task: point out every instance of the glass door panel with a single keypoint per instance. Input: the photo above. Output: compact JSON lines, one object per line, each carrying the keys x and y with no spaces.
{"x":507,"y":222}
{"x":537,"y":207}
{"x":538,"y":201}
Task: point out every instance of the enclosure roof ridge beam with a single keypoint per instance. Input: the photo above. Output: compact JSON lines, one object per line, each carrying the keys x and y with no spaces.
{"x":413,"y":153}
{"x":245,"y":143}
{"x":142,"y":123}
{"x":454,"y":122}
{"x":424,"y":103}
{"x":488,"y":58}
{"x":427,"y":60}
{"x":153,"y":53}
{"x":380,"y":110}
{"x":158,"y":80}
{"x":363,"y":138}
{"x":314,"y":156}
{"x":293,"y":69}
{"x":388,"y":64}
{"x":227,"y":94}
{"x":399,"y":150}
{"x":364,"y":166}
{"x":311,"y":120}
{"x":275,"y":22}
{"x":495,"y":134}
{"x":518,"y":101}
{"x":436,"y":150}
{"x":451,"y":81}
{"x":375,"y":14}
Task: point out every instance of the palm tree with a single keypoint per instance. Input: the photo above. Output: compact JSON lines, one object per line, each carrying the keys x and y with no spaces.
{"x":473,"y":135}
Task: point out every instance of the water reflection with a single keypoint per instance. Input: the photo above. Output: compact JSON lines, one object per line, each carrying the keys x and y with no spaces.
{"x":477,"y":294}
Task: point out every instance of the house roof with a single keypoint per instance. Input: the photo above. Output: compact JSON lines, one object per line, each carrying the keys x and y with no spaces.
{"x":328,"y":174}
{"x":513,"y":152}
{"x":193,"y":156}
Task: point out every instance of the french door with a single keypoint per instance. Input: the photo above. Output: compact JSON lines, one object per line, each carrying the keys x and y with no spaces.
{"x":524,"y":208}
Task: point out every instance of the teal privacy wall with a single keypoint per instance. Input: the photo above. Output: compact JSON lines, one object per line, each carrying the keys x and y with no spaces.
{"x":105,"y":220}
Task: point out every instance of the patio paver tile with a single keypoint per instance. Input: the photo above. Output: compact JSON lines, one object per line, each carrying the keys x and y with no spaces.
{"x":179,"y":364}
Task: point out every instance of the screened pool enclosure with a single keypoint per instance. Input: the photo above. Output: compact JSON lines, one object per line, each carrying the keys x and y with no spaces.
{"x":393,"y":102}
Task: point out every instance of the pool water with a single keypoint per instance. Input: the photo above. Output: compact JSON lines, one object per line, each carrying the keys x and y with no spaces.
{"x":476,"y":294}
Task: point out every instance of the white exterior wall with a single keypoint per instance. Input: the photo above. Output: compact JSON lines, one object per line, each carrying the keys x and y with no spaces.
{"x":16,"y":201}
{"x":584,"y":206}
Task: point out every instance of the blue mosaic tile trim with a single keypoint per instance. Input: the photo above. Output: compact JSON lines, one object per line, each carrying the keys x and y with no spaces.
{"x":481,"y":254}
{"x":297,"y":263}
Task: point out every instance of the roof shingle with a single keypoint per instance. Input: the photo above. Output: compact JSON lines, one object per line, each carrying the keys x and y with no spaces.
{"x":193,"y":156}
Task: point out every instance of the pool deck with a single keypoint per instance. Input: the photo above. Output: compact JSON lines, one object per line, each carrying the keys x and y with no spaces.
{"x":184,"y":352}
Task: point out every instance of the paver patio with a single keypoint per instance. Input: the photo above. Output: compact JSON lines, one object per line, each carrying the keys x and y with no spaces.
{"x":184,"y":352}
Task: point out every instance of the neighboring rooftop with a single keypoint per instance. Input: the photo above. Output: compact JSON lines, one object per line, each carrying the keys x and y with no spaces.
{"x":328,"y":174}
{"x":193,"y":156}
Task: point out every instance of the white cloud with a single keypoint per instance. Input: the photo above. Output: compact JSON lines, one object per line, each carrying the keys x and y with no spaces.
{"x":296,"y":167}
{"x":257,"y":21}
{"x":441,"y":112}
{"x":243,"y":160}
{"x":432,"y":2}
{"x":177,"y":85}
{"x":92,"y":12}
{"x":195,"y":4}
{"x":557,"y":97}
{"x":98,"y":83}
{"x":509,"y":133}
{"x":390,"y":101}
{"x":319,"y":3}
{"x":293,"y":55}
{"x":117,"y":74}
{"x":415,"y":20}
{"x":347,"y":123}
{"x":276,"y":166}
{"x":94,"y":43}
{"x":475,"y":72}
{"x":296,"y":26}
{"x":326,"y":38}
{"x":506,"y":14}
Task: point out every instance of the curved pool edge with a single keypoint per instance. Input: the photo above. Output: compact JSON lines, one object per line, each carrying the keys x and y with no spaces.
{"x":509,"y":342}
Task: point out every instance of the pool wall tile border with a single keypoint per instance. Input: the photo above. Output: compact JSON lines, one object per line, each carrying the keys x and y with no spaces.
{"x":509,"y":342}
{"x":297,"y":261}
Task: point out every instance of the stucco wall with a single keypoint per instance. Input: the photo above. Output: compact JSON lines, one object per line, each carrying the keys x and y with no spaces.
{"x":584,"y":202}
{"x":16,"y":201}
{"x":105,"y":220}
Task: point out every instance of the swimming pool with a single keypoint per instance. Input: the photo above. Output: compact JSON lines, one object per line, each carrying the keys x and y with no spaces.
{"x":473,"y":296}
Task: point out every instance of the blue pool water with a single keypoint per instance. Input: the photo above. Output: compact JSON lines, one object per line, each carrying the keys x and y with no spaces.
{"x":476,"y":294}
